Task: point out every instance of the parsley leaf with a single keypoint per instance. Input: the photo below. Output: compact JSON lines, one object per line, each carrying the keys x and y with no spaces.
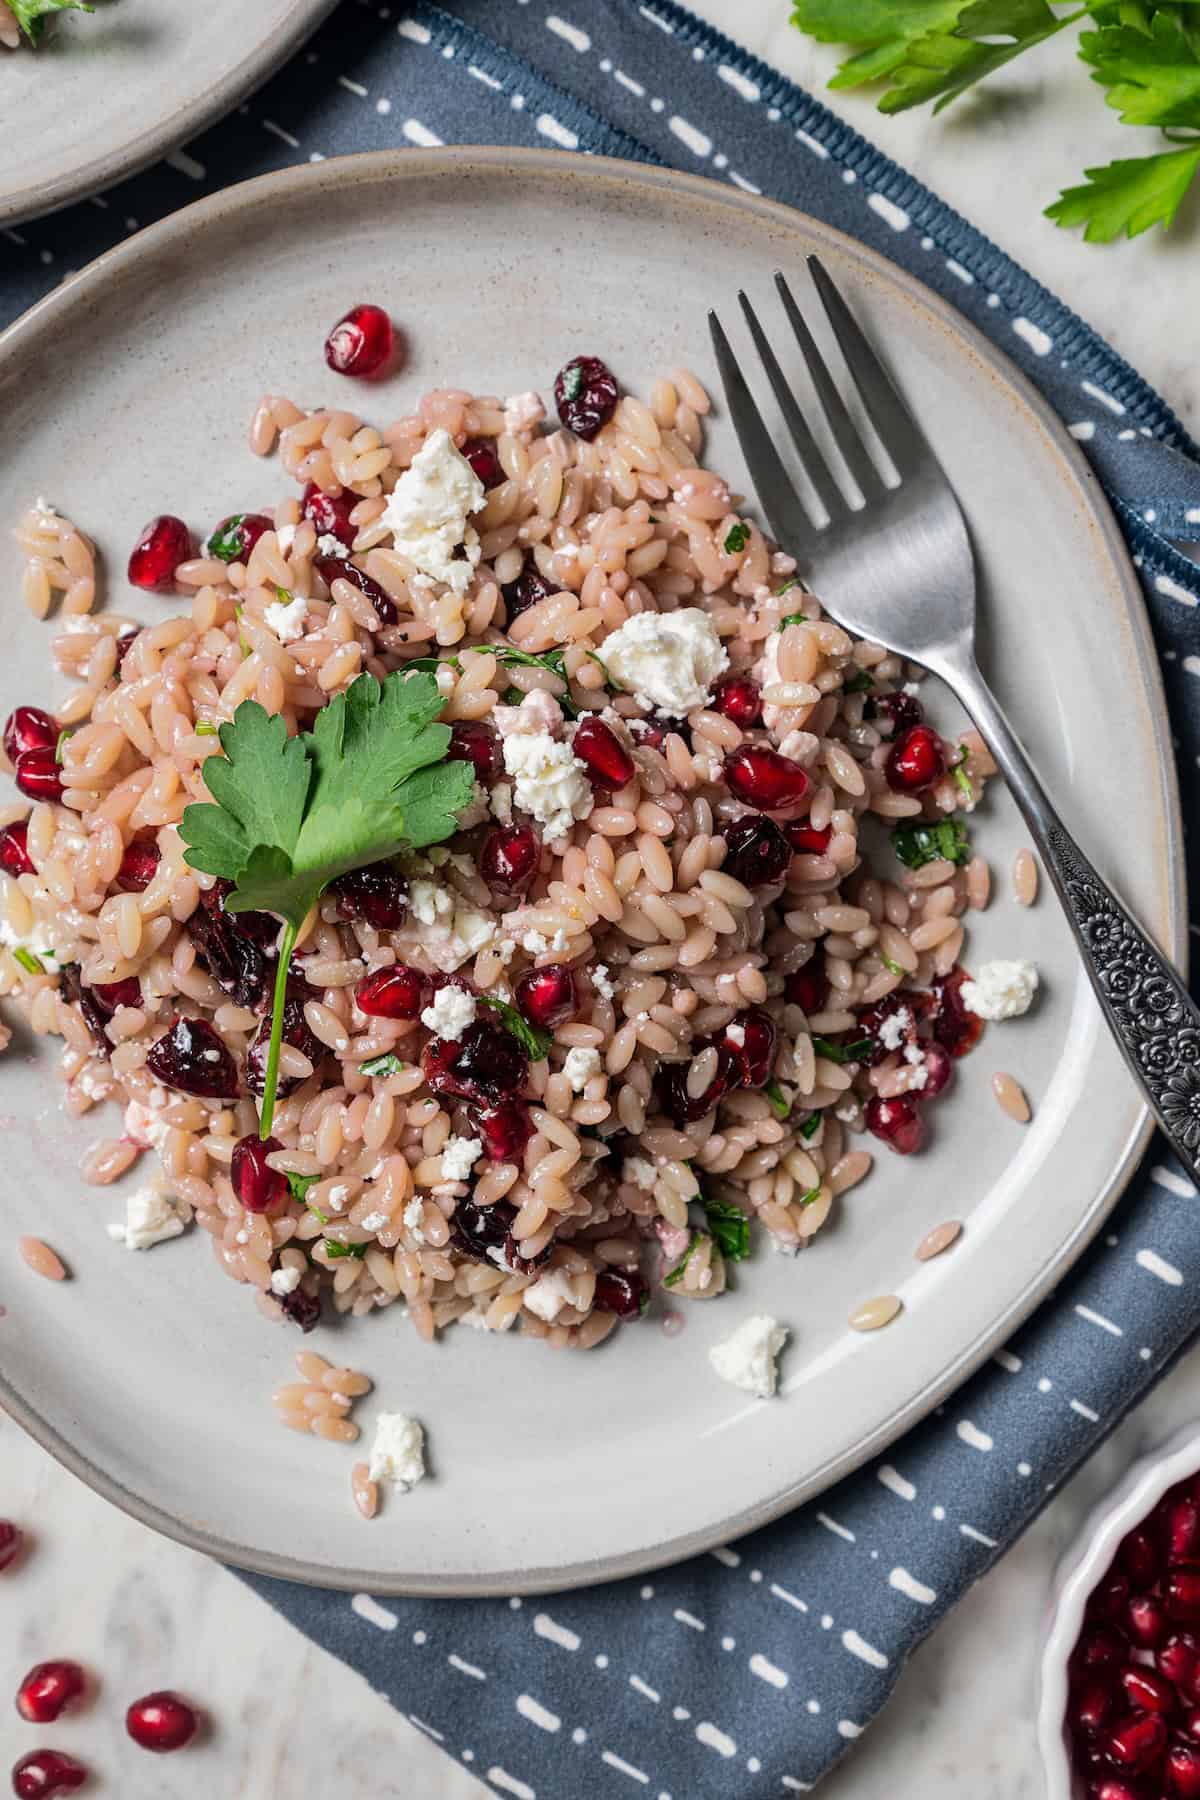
{"x":807,"y":1199}
{"x":59,"y":742}
{"x":790,"y":619}
{"x":552,"y":661}
{"x":730,"y":1227}
{"x":1152,"y":75}
{"x":335,"y":1251}
{"x":811,"y":1126}
{"x":736,"y":538}
{"x":382,"y":1066}
{"x":298,"y":1186}
{"x":922,"y":843}
{"x":861,"y":682}
{"x":29,"y":962}
{"x":1128,"y":196}
{"x":31,"y":15}
{"x":843,"y":1053}
{"x":781,"y":1106}
{"x":204,"y":728}
{"x":226,"y":542}
{"x":676,"y":1274}
{"x":530,"y":1037}
{"x":893,"y":968}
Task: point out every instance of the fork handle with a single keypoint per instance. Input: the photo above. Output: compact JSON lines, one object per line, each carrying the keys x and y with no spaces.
{"x":1148,"y":1008}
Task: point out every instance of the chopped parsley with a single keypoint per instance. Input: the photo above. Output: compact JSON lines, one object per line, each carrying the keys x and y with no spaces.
{"x":921,"y":843}
{"x":298,"y":1186}
{"x":781,"y":1106}
{"x":843,"y":1053}
{"x":791,"y":582}
{"x":811,"y":1126}
{"x":730,"y":1228}
{"x":382,"y":1066}
{"x":676,"y":1275}
{"x":807,"y":1199}
{"x":226,"y":542}
{"x":31,"y":15}
{"x":893,"y":968}
{"x":29,"y":962}
{"x":861,"y":682}
{"x":335,"y":1251}
{"x":205,"y":728}
{"x":736,"y":539}
{"x":530,"y":1037}
{"x":59,"y":743}
{"x":961,"y":778}
{"x":429,"y":665}
{"x":790,"y":619}
{"x":572,"y":381}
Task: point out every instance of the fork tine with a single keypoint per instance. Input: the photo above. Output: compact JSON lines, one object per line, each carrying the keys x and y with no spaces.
{"x":899,"y":432}
{"x":811,"y":459}
{"x":773,"y":484}
{"x":845,"y":432}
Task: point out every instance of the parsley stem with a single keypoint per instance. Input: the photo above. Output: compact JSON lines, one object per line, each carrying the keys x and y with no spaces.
{"x":286,"y":946}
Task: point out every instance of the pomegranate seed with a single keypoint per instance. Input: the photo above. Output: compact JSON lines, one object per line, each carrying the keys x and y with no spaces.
{"x":621,"y":1292}
{"x":396,"y":992}
{"x":329,"y":514}
{"x":235,"y":537}
{"x":474,"y":742}
{"x":47,"y":1689}
{"x":14,"y":849}
{"x":44,"y":1773}
{"x":608,"y":762}
{"x":480,"y":452}
{"x":139,"y":865}
{"x":485,"y":1064}
{"x":1137,"y":1741}
{"x":377,"y":893}
{"x":1107,"y":1599}
{"x":1139,"y":1556}
{"x":509,"y":858}
{"x":1091,"y":1706}
{"x":1181,"y":1772}
{"x":1179,"y":1660}
{"x":956,"y":1029}
{"x":1100,"y":1647}
{"x":1146,"y":1690}
{"x":255,"y":1183}
{"x":548,"y":996}
{"x":505,"y":1128}
{"x":756,"y":1052}
{"x":756,"y":852}
{"x":739,"y":698}
{"x":125,"y":644}
{"x":938,"y":1070}
{"x":684,"y":1108}
{"x":916,"y":761}
{"x":477,"y":1229}
{"x":806,"y":838}
{"x":586,"y":394}
{"x":193,"y":1059}
{"x":902,"y":711}
{"x":340,"y":568}
{"x":808,"y":987}
{"x":11,"y":1539}
{"x":529,"y":587}
{"x":295,"y":1032}
{"x":1181,"y":1592}
{"x":765,"y":780}
{"x":29,"y":728}
{"x":112,"y":994}
{"x":1145,"y":1620}
{"x":361,"y":343}
{"x":1191,"y":1722}
{"x":163,"y":545}
{"x":1182,"y":1529}
{"x":161,"y":1721}
{"x":38,"y":775}
{"x":897,"y":1122}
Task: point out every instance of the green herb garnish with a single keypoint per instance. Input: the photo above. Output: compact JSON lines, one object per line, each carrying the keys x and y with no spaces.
{"x":730,"y":1228}
{"x":781,"y":1106}
{"x":204,"y":728}
{"x":807,"y":1199}
{"x":513,"y":696}
{"x":919,"y":844}
{"x":531,"y":1037}
{"x":335,"y":1251}
{"x":298,"y":1186}
{"x":226,"y":542}
{"x":58,"y":745}
{"x":31,"y":15}
{"x":31,"y":964}
{"x":811,"y":1126}
{"x":676,"y":1275}
{"x":292,"y":814}
{"x":382,"y":1066}
{"x":843,"y":1053}
{"x":791,"y":582}
{"x":961,"y":779}
{"x":893,"y":968}
{"x":859,"y":683}
{"x":736,"y":539}
{"x":551,"y":661}
{"x":790,"y":619}
{"x":429,"y":665}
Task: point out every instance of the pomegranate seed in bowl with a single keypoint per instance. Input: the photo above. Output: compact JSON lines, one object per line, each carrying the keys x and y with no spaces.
{"x":235,"y":537}
{"x":916,"y":761}
{"x":362,"y":343}
{"x":739,"y":698}
{"x":161,"y":1721}
{"x":377,"y":894}
{"x":529,"y":587}
{"x":608,"y":762}
{"x":47,"y":1690}
{"x":548,"y":996}
{"x":340,"y":568}
{"x":139,"y":866}
{"x":474,"y":742}
{"x":394,"y":992}
{"x":29,"y":728}
{"x":38,"y":775}
{"x":44,"y":1774}
{"x":508,"y":860}
{"x":163,"y":545}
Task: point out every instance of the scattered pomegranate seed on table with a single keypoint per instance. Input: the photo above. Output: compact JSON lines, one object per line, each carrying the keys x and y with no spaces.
{"x":43,"y":1774}
{"x":362,"y":343}
{"x":163,"y":545}
{"x":29,"y":728}
{"x":161,"y":1721}
{"x":48,"y":1688}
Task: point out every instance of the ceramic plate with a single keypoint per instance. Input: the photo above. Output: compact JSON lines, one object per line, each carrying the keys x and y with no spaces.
{"x":104,"y":95}
{"x":151,"y":1375}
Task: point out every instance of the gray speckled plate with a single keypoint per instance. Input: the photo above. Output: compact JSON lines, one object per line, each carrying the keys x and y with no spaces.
{"x":151,"y":1375}
{"x":107,"y":93}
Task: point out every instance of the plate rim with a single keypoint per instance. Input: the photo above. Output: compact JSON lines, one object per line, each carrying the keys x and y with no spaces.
{"x":41,"y":199}
{"x":404,"y":165}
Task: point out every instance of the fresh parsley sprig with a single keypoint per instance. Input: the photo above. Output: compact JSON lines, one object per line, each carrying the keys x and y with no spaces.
{"x":31,"y":15}
{"x":292,"y":814}
{"x":917,"y":845}
{"x":730,"y":1228}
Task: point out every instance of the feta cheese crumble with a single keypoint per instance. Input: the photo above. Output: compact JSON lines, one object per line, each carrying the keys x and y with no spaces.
{"x":452,"y":1011}
{"x":458,"y":930}
{"x":459,"y":1157}
{"x":412,"y":1217}
{"x":522,"y":412}
{"x":286,"y":618}
{"x":398,"y":1451}
{"x":374,"y":1221}
{"x":580,"y":1066}
{"x":747,"y":1359}
{"x":427,"y":513}
{"x":668,"y":661}
{"x":547,"y":1297}
{"x":895,"y":1029}
{"x":640,"y":1172}
{"x":602,"y":981}
{"x":549,"y":781}
{"x":150,"y":1218}
{"x":1001,"y":990}
{"x":285,"y":1281}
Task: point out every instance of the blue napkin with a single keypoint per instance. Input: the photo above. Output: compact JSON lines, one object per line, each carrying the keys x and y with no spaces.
{"x":749,"y":1671}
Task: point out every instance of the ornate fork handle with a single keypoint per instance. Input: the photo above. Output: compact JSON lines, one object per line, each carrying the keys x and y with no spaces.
{"x":1152,"y":1015}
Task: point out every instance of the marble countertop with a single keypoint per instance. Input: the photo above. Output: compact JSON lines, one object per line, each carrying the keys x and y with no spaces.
{"x":290,"y":1723}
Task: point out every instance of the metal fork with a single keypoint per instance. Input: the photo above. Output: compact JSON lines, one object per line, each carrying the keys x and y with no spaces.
{"x":900,"y":571}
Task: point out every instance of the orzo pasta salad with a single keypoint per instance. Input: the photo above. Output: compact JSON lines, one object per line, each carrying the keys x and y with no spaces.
{"x":488,"y":883}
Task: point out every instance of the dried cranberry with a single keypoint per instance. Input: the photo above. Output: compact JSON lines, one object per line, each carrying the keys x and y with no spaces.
{"x":509,"y":858}
{"x":228,"y":952}
{"x":340,"y":568}
{"x":192,"y":1058}
{"x":505,"y":1129}
{"x":608,"y":762}
{"x":161,"y":1721}
{"x":1139,"y":1556}
{"x":163,"y":545}
{"x":808,"y":987}
{"x":29,"y":728}
{"x":114,"y":994}
{"x":329,"y":514}
{"x":756,"y":852}
{"x":1181,"y":1772}
{"x":897,"y":1122}
{"x":485,"y":1064}
{"x":764,"y":779}
{"x":139,"y":866}
{"x":916,"y":761}
{"x":256,"y":1184}
{"x":900,"y":710}
{"x":756,"y":1052}
{"x":1147,"y":1691}
{"x":622,"y":1292}
{"x":529,"y":587}
{"x":806,"y":838}
{"x":38,"y":775}
{"x":480,"y":452}
{"x":474,"y":1230}
{"x":235,"y":537}
{"x":295,"y":1032}
{"x":395,"y":992}
{"x":48,"y":1688}
{"x":1145,"y":1621}
{"x":11,"y":1539}
{"x":95,"y":1015}
{"x":45,"y":1773}
{"x":956,"y":1029}
{"x":586,"y":394}
{"x":377,"y":893}
{"x":683,"y":1108}
{"x":302,"y":1309}
{"x":14,"y":849}
{"x":362,"y":343}
{"x":547,"y":996}
{"x":474,"y":742}
{"x":1137,"y":1741}
{"x":739,"y":698}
